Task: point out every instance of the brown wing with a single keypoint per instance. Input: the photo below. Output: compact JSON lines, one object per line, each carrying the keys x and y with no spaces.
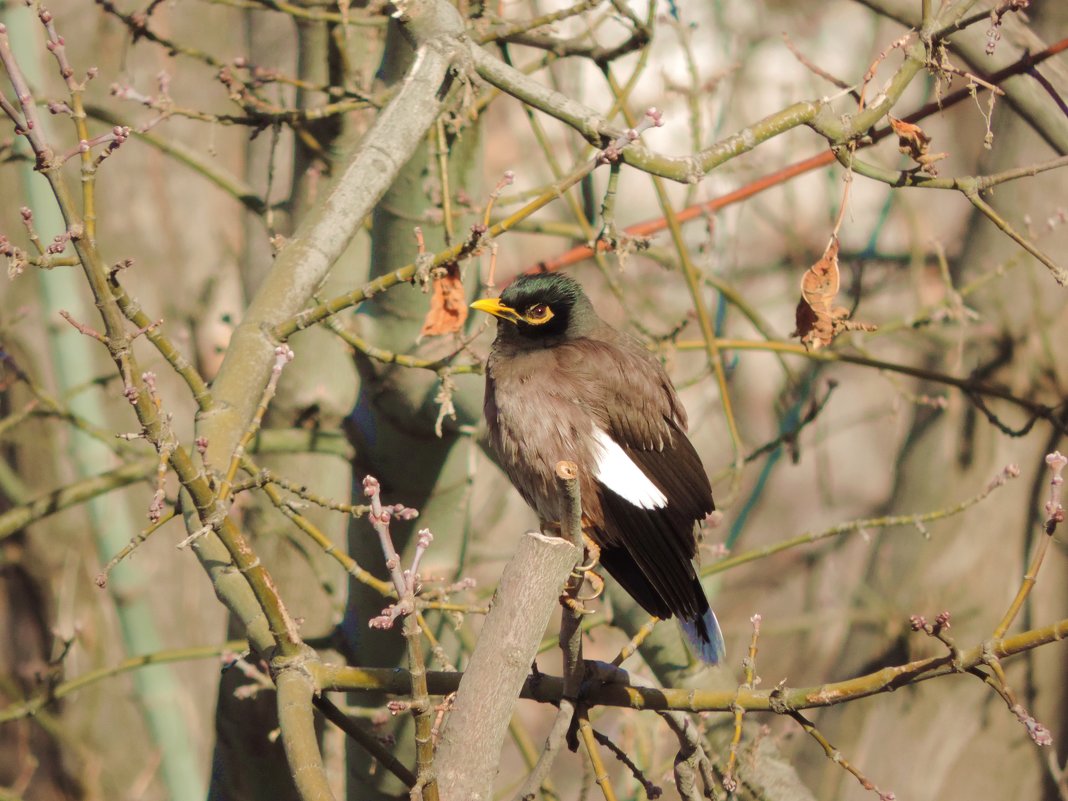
{"x":649,"y":551}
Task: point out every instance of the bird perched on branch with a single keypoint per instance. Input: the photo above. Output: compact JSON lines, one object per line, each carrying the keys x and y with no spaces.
{"x":561,"y":384}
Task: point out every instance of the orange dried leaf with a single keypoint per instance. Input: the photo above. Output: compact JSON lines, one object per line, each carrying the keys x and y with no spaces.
{"x":820,"y":283}
{"x":448,"y":305}
{"x":910,"y":137}
{"x":819,"y":321}
{"x":915,"y":143}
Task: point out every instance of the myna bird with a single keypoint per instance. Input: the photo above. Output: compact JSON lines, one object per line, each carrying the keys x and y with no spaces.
{"x":563,"y":384}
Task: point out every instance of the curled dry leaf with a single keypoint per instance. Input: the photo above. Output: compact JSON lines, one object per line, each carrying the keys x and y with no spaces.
{"x":914,"y":143}
{"x":819,"y":321}
{"x":448,"y":304}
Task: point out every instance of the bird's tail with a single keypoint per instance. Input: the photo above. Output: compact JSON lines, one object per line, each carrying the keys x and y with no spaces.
{"x":705,"y":636}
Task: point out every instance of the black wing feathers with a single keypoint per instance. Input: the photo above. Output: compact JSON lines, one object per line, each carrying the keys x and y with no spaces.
{"x":678,"y":472}
{"x":650,"y":551}
{"x":651,"y":539}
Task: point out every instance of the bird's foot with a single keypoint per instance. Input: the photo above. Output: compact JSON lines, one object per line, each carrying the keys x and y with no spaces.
{"x":585,"y":572}
{"x":575,"y":601}
{"x":596,"y":586}
{"x":592,"y":554}
{"x":575,"y":605}
{"x":592,"y":548}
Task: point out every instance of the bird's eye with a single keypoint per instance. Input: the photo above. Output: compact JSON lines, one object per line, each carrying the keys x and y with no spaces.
{"x":537,"y":312}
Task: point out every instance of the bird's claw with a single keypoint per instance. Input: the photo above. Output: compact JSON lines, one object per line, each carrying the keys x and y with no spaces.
{"x":597,"y":583}
{"x":586,"y":572}
{"x":593,"y":554}
{"x":574,"y":604}
{"x":592,"y":548}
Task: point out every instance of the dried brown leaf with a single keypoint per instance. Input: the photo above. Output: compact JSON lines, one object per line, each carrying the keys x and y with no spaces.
{"x":818,"y":320}
{"x":916,"y":144}
{"x":448,"y":305}
{"x":805,"y":319}
{"x":911,"y":138}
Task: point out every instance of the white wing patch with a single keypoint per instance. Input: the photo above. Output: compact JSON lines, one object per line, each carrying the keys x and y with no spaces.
{"x":617,"y":471}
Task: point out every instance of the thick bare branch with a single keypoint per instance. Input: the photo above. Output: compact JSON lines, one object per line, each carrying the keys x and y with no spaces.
{"x":305,"y":261}
{"x":470,"y":746}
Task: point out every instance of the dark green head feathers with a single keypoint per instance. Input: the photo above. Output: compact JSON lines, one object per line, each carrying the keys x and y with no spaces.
{"x":541,"y":309}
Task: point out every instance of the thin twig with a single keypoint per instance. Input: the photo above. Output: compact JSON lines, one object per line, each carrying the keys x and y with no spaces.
{"x":652,"y":791}
{"x":837,"y":757}
{"x":969,"y":386}
{"x":364,"y":739}
{"x":813,"y":67}
{"x":914,"y":520}
{"x":1060,"y":275}
{"x":283,"y":354}
{"x":600,"y":772}
{"x":1054,"y":516}
{"x":405,"y":583}
{"x":730,"y":782}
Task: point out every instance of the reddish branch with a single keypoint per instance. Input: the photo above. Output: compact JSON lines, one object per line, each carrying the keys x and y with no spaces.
{"x":1025,"y":64}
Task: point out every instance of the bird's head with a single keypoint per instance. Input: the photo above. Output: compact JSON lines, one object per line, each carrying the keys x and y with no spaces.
{"x":540,"y":310}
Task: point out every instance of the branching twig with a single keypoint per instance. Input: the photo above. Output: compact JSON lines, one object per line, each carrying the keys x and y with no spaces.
{"x":600,"y":772}
{"x":652,"y":791}
{"x":135,"y":542}
{"x":730,"y":783}
{"x":365,"y":740}
{"x":1054,"y":516}
{"x":971,"y":187}
{"x":968,"y":385}
{"x":914,"y":520}
{"x":836,"y":756}
{"x":451,"y":255}
{"x":998,"y":682}
{"x":406,"y":584}
{"x":283,"y":354}
{"x":779,"y":177}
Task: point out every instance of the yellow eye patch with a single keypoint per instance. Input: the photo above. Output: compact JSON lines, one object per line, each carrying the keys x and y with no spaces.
{"x":538,"y":314}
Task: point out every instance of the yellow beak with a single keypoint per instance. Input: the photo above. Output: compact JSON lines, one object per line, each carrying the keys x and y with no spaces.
{"x":497,"y":309}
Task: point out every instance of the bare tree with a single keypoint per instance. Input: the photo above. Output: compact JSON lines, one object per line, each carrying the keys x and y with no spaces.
{"x":242,"y":237}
